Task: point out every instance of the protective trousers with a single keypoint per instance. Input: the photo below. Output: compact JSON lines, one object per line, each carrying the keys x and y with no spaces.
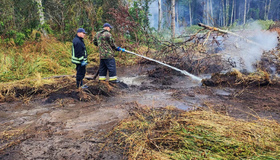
{"x":81,"y":71}
{"x":107,"y":65}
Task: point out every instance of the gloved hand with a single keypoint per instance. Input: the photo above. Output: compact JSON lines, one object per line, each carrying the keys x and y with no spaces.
{"x":83,"y":63}
{"x":122,"y":49}
{"x":118,"y":49}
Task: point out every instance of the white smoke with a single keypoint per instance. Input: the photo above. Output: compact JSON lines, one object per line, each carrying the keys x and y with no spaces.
{"x":246,"y":54}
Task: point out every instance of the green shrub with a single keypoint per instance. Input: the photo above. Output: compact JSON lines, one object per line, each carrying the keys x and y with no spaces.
{"x":9,"y":41}
{"x":47,"y":28}
{"x":27,"y":32}
{"x":11,"y":33}
{"x":20,"y":37}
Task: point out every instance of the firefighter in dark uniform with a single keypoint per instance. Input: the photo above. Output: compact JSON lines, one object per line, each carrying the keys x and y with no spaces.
{"x":104,"y":40}
{"x":79,"y":56}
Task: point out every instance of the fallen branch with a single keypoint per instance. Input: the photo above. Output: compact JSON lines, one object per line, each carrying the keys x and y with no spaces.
{"x":208,"y":35}
{"x":227,"y":32}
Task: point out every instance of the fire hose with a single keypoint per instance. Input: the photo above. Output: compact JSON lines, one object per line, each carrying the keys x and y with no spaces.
{"x":182,"y":71}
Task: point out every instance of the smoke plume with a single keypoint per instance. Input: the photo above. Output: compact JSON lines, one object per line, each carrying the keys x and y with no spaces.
{"x":246,"y":54}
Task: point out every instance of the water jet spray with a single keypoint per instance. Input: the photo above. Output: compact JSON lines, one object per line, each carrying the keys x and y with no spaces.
{"x":177,"y":69}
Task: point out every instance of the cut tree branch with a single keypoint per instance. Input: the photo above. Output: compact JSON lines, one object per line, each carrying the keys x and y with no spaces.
{"x":228,"y":32}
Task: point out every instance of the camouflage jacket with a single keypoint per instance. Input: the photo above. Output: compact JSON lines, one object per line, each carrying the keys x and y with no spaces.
{"x":104,"y":40}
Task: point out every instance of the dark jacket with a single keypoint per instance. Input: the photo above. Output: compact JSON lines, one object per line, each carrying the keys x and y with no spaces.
{"x":79,"y":52}
{"x":104,"y":40}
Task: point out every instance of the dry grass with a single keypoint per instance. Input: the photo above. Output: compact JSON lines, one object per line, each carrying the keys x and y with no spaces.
{"x":29,"y":89}
{"x":47,"y":57}
{"x":171,"y":134}
{"x":258,"y":76}
{"x":236,"y":78}
{"x":25,"y":89}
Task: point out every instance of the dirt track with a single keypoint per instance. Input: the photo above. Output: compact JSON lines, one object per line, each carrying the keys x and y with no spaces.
{"x":71,"y":124}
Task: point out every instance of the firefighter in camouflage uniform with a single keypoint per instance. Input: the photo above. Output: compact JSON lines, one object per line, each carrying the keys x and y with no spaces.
{"x":104,"y":40}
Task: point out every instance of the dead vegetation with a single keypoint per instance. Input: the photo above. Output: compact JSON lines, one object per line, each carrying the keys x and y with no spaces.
{"x":55,"y":89}
{"x":190,"y":56}
{"x":212,"y":50}
{"x":173,"y":134}
{"x":236,"y":78}
{"x":270,"y":62}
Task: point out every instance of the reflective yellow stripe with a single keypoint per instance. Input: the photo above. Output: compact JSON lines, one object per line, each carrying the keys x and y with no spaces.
{"x":73,"y":54}
{"x":76,"y":62}
{"x":113,"y":78}
{"x":75,"y":59}
{"x":79,"y":59}
{"x":102,"y":78}
{"x":73,"y":51}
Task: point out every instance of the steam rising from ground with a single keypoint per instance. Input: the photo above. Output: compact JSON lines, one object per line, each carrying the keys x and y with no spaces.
{"x":245,"y":54}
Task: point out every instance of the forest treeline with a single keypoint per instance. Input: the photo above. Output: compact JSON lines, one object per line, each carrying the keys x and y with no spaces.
{"x":221,"y":13}
{"x":131,"y":18}
{"x":61,"y":18}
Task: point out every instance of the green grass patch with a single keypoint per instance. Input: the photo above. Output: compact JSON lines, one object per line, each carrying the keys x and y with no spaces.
{"x":172,"y":134}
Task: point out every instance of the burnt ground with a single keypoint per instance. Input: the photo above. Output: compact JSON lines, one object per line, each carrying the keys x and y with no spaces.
{"x":61,"y":122}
